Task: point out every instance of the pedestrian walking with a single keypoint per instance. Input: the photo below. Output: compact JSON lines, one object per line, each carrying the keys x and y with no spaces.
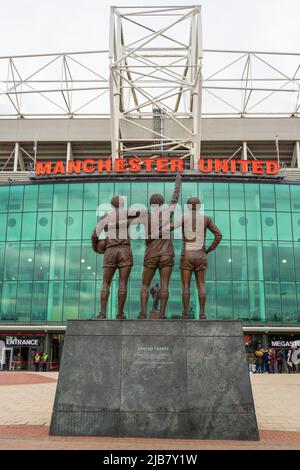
{"x":259,"y":360}
{"x":266,"y":361}
{"x":272,"y":356}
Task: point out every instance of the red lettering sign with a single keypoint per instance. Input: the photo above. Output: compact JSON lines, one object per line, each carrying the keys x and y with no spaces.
{"x":161,"y":165}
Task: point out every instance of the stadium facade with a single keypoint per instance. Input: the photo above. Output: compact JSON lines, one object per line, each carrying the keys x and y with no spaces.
{"x":49,"y":272}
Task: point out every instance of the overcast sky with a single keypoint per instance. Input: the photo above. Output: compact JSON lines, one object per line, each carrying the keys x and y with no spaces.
{"x":39,"y":26}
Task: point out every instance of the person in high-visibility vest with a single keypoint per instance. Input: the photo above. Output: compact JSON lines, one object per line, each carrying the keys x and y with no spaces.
{"x":45,"y":361}
{"x":37,"y":360}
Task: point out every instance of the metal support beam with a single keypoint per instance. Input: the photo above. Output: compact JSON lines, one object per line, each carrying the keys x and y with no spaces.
{"x":295,"y":163}
{"x":16,"y":156}
{"x":244,"y":151}
{"x":150,"y":76}
{"x":69,"y":152}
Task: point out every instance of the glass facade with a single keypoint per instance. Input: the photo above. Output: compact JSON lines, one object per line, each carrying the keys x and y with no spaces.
{"x":49,"y":272}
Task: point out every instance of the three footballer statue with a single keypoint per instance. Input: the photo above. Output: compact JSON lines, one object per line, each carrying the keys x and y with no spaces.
{"x":158,"y":223}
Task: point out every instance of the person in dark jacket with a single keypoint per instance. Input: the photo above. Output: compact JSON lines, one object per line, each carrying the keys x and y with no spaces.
{"x":279,"y":359}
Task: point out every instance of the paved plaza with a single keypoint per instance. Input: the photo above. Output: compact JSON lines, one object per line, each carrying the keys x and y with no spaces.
{"x":27,"y":398}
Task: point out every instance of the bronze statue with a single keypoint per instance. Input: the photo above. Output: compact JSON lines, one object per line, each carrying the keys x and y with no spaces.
{"x":194,"y":253}
{"x":117,"y":253}
{"x":159,"y":253}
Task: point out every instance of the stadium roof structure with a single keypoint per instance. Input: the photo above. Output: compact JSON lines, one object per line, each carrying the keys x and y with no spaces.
{"x":155,"y":91}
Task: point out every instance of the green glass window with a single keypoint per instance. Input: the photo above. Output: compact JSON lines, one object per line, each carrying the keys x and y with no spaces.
{"x":71,"y":300}
{"x":223,"y":222}
{"x":267,"y":197}
{"x":59,"y":225}
{"x":221,"y":193}
{"x":295,"y":197}
{"x":73,"y":260}
{"x":2,"y":258}
{"x":255,"y":261}
{"x":224,"y":300}
{"x":252,"y":197}
{"x":284,"y":225}
{"x":271,"y":265}
{"x":30,"y":198}
{"x":253,"y":225}
{"x":286,"y":262}
{"x":283,"y":200}
{"x":43,"y":226}
{"x":74,"y":225}
{"x":13,"y":231}
{"x":223,"y":262}
{"x":273,"y":301}
{"x":39,"y":302}
{"x":139,"y":194}
{"x":55,"y":301}
{"x":16,"y":199}
{"x":269,"y":225}
{"x":45,"y":197}
{"x":106,"y":192}
{"x":60,"y":197}
{"x":88,"y":262}
{"x":11,"y":261}
{"x":238,"y":225}
{"x":3,"y":226}
{"x":124,"y":189}
{"x":289,"y":302}
{"x":206,"y":195}
{"x":24,"y":299}
{"x":4,"y":197}
{"x":87,"y":299}
{"x":57,"y":260}
{"x":75,"y":197}
{"x":240,"y":300}
{"x":238,"y":263}
{"x":237,"y":197}
{"x":8,"y":301}
{"x":187,"y":191}
{"x":90,"y":196}
{"x":211,"y":270}
{"x":211,"y":304}
{"x":26,"y":262}
{"x":28,"y":226}
{"x":41,"y":261}
{"x":297,"y":260}
{"x":89,"y":222}
{"x":257,"y":301}
{"x":296,"y":226}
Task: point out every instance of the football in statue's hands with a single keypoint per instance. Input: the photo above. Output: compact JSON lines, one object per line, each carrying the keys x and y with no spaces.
{"x":101,"y":246}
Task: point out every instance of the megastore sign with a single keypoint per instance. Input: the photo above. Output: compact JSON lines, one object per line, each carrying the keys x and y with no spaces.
{"x":158,"y":165}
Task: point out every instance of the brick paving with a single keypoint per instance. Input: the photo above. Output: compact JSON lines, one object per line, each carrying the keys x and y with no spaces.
{"x":27,"y":398}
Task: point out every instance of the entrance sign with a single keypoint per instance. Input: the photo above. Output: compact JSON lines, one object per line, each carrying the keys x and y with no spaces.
{"x":157,"y":165}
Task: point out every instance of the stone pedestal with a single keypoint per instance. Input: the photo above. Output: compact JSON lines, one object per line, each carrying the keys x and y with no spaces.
{"x":154,"y":379}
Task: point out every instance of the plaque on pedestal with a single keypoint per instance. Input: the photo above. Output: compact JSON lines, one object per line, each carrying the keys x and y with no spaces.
{"x":158,"y":379}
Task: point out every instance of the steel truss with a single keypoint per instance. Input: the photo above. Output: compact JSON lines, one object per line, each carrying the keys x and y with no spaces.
{"x":156,"y":75}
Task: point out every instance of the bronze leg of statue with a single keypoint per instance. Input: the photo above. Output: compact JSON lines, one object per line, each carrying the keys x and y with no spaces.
{"x":144,"y":295}
{"x":200,"y":281}
{"x":186,"y":276}
{"x":108,"y":274}
{"x":165,"y":274}
{"x":124,"y":273}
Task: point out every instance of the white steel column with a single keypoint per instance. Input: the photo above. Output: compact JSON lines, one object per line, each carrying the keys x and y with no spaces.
{"x":295,"y":163}
{"x":69,"y":152}
{"x":244,"y":151}
{"x":197,"y":95}
{"x":16,"y":156}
